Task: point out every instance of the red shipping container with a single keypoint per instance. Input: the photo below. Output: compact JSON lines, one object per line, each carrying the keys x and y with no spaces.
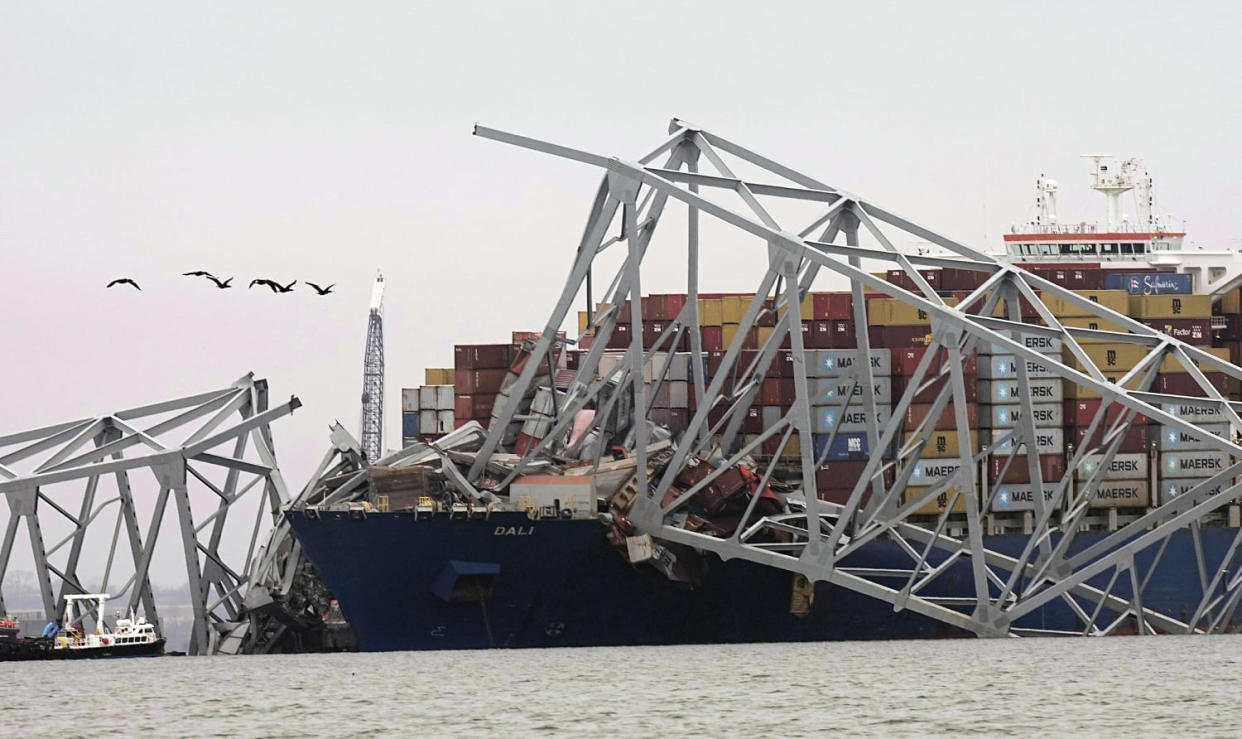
{"x":898,"y":336}
{"x":712,"y":338}
{"x":930,"y":393}
{"x":663,"y":307}
{"x":1051,"y":468}
{"x":714,"y":360}
{"x":916,"y":412}
{"x":906,"y":361}
{"x":1134,"y":439}
{"x":653,"y":331}
{"x":961,"y":279}
{"x":753,"y":422}
{"x":777,"y":391}
{"x":473,"y":406}
{"x":1082,"y":412}
{"x":782,"y":364}
{"x":1182,"y":383}
{"x":620,"y":338}
{"x":623,"y":315}
{"x":835,"y":335}
{"x":1190,"y":330}
{"x":482,"y":356}
{"x":471,"y":382}
{"x":901,"y":279}
{"x":832,"y":306}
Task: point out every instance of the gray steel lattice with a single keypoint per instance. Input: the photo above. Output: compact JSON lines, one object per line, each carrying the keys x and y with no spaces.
{"x":373,"y":388}
{"x":152,"y":460}
{"x":848,"y":229}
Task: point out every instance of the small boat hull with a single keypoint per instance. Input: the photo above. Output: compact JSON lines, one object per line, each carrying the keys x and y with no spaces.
{"x":40,"y":649}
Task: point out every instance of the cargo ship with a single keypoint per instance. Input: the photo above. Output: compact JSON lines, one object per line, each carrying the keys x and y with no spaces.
{"x":551,"y":561}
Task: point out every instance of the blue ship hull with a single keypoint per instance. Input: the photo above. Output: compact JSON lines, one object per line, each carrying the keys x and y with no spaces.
{"x":558,"y":583}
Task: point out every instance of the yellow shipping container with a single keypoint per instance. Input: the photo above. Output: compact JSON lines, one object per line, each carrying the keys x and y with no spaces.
{"x":582,"y":322}
{"x":733,"y":307}
{"x":806,"y":311}
{"x":1231,"y":302}
{"x":890,"y":312}
{"x":727,"y":333}
{"x":1172,"y":364}
{"x":793,"y":450}
{"x":711,"y":312}
{"x":1117,"y":300}
{"x":936,"y":505}
{"x":438,"y":376}
{"x":943,"y":444}
{"x":1108,"y":356}
{"x":1143,"y":307}
{"x":1073,"y":391}
{"x":1094,"y":323}
{"x":764,"y":333}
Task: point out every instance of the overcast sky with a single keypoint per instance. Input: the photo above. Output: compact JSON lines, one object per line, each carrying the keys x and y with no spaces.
{"x":321,"y":142}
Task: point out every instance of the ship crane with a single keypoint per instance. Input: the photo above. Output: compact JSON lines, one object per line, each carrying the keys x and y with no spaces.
{"x":372,"y":424}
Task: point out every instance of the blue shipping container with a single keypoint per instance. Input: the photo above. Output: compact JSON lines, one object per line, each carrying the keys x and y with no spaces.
{"x":1136,"y":283}
{"x":845,"y":447}
{"x":409,"y":424}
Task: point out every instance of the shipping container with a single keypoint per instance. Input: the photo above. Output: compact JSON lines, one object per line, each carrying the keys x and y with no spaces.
{"x":1109,"y":356}
{"x":1195,"y":412}
{"x":1176,"y":440}
{"x":1171,"y":487}
{"x":409,"y":400}
{"x":711,"y":312}
{"x":900,"y":278}
{"x":1121,"y":467}
{"x":845,"y":446}
{"x":1196,"y":331}
{"x":1035,"y":342}
{"x":835,"y":306}
{"x":937,"y":504}
{"x":1047,"y":441}
{"x":1020,"y":496}
{"x":427,"y":422}
{"x":409,"y":423}
{"x":472,"y":382}
{"x":830,"y":334}
{"x":1115,"y":300}
{"x":438,"y":376}
{"x":943,"y":444}
{"x":482,"y":356}
{"x":478,"y":407}
{"x":1095,"y":324}
{"x":1006,"y":366}
{"x":931,"y":390}
{"x":1083,"y":412}
{"x":1013,"y":391}
{"x":836,"y":362}
{"x":826,"y":389}
{"x":895,"y":337}
{"x":892,"y":312}
{"x":1170,"y":306}
{"x":1134,"y":439}
{"x":1147,"y":283}
{"x":1012,"y":469}
{"x":1193,"y":464}
{"x":962,"y":279}
{"x":916,"y":412}
{"x":906,"y":361}
{"x":1008,"y":416}
{"x":1118,"y":494}
{"x":932,"y":471}
{"x":1173,"y":364}
{"x":854,"y":419}
{"x":1183,"y":383}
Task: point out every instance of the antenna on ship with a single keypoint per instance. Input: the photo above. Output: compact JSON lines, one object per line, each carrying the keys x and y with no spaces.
{"x":372,"y":431}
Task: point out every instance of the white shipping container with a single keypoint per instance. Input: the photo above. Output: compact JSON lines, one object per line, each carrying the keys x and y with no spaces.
{"x":824,"y":390}
{"x":1041,"y":344}
{"x":444,"y":397}
{"x":855,"y":418}
{"x":1122,"y":467}
{"x":427,"y":398}
{"x":444,"y":422}
{"x":678,"y":394}
{"x":1195,"y":412}
{"x":1176,"y":440}
{"x":409,"y":399}
{"x":1193,"y":464}
{"x":1013,"y":391}
{"x":679,"y":371}
{"x":575,"y":492}
{"x":771,"y":415}
{"x":1005,"y":367}
{"x":1020,"y":496}
{"x":1047,"y":441}
{"x":1172,"y":487}
{"x":427,"y":421}
{"x":1119,"y":494}
{"x":836,"y":362}
{"x":931,"y":471}
{"x":1045,"y":415}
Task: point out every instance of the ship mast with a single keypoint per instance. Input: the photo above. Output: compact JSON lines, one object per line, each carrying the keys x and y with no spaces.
{"x":372,"y":424}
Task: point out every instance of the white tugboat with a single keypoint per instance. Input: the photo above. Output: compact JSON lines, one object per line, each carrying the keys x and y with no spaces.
{"x":133,"y":637}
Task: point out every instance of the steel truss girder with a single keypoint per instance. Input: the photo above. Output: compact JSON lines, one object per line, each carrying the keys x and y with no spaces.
{"x":1005,"y":588}
{"x":218,"y":429}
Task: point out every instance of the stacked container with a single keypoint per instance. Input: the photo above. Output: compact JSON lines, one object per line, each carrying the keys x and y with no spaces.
{"x":479,"y":371}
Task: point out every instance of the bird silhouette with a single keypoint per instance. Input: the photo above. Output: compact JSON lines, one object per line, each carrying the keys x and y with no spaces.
{"x":124,"y":281}
{"x":275,"y":286}
{"x":196,"y":273}
{"x":219,"y":284}
{"x":322,"y":290}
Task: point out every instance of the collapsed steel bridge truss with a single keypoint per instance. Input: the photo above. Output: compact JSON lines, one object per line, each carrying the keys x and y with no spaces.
{"x":847,"y":230}
{"x":94,"y":495}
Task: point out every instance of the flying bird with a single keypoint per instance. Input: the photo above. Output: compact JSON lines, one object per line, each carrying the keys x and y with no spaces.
{"x":275,"y":286}
{"x":322,"y":290}
{"x":124,"y":281}
{"x":219,"y":284}
{"x":197,"y":273}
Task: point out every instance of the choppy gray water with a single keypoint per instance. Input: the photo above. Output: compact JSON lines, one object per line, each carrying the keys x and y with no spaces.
{"x":1114,"y":686}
